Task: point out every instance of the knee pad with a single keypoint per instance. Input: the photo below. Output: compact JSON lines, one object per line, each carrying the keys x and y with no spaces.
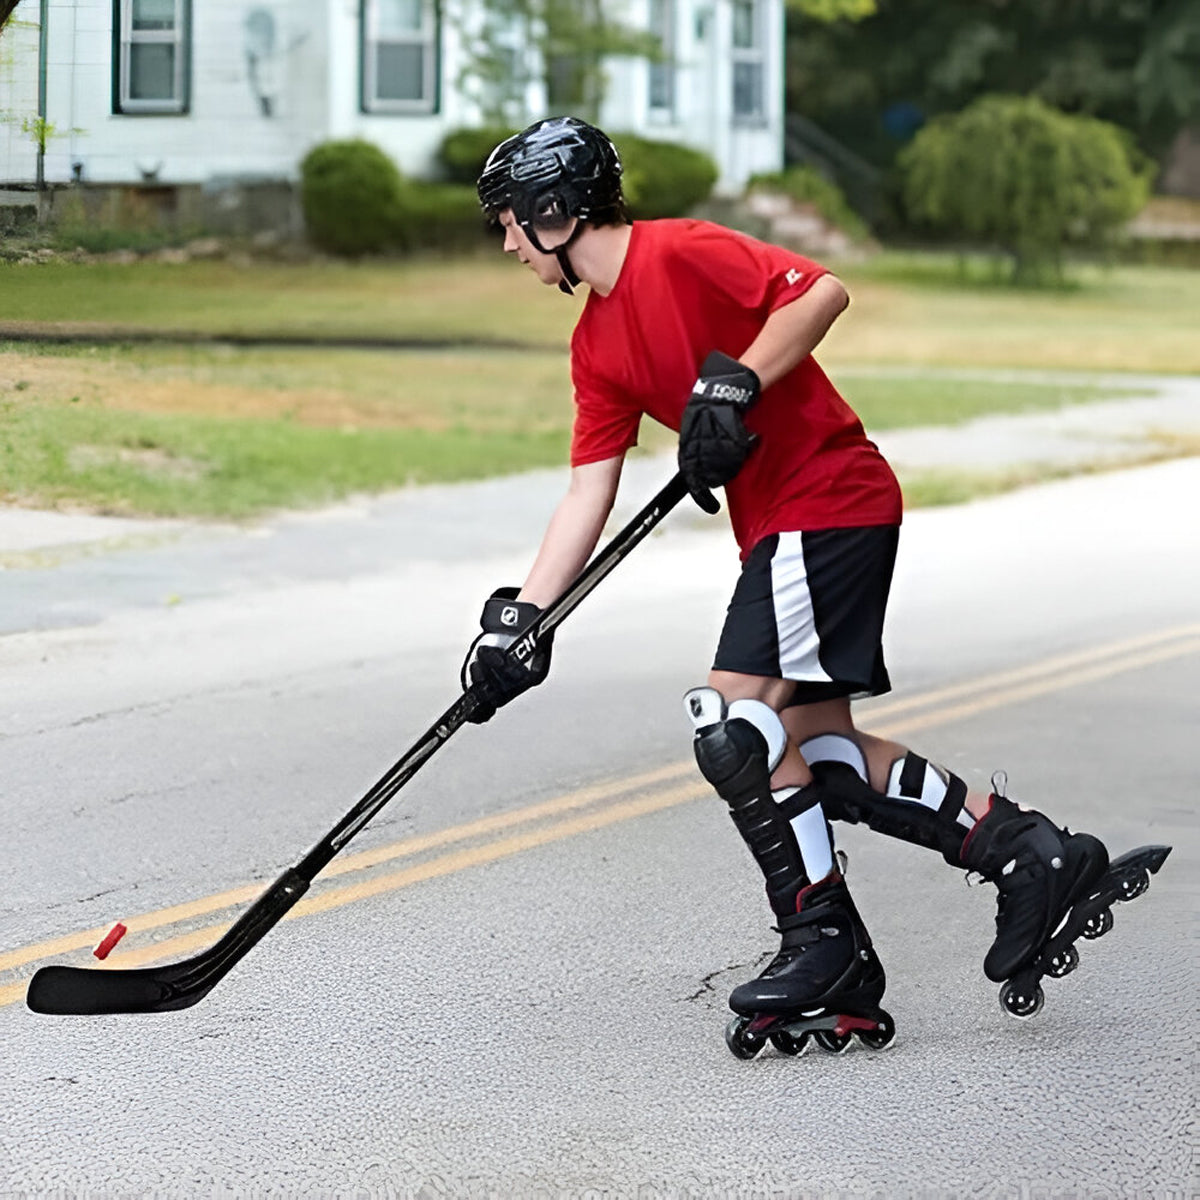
{"x":732,"y":739}
{"x":835,"y":747}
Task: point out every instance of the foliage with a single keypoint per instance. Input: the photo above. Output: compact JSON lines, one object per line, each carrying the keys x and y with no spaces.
{"x":437,"y":216}
{"x":872,"y":83}
{"x":39,"y":131}
{"x":806,"y":185}
{"x":1015,"y":173}
{"x":464,"y":151}
{"x":663,"y":179}
{"x":350,"y":192}
{"x":833,"y":10}
{"x":561,"y":44}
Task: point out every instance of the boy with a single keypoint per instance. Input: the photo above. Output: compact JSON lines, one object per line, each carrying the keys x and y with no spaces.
{"x":711,"y":333}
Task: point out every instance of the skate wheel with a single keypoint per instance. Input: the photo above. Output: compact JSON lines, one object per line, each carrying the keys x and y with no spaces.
{"x":832,"y":1043}
{"x":1063,"y":963}
{"x":884,"y":1035}
{"x":1098,"y":924}
{"x":1021,"y":1002}
{"x":789,"y":1044}
{"x":740,"y":1041}
{"x":1132,"y":886}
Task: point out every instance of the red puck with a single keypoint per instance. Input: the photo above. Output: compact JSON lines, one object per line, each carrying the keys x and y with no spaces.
{"x":111,"y":938}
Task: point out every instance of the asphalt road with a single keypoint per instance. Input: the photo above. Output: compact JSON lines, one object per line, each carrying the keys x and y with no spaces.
{"x":518,"y":986}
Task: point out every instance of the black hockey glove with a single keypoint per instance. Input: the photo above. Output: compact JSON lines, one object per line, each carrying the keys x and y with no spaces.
{"x":488,"y":671}
{"x":713,"y":442}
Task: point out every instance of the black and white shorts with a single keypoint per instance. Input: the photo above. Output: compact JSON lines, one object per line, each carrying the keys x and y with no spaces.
{"x":810,"y":607}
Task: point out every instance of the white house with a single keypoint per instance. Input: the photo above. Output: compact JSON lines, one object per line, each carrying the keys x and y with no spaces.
{"x":199,"y":91}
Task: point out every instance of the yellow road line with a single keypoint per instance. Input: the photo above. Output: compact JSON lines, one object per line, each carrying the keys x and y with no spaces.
{"x":351,"y":862}
{"x":1046,"y":666}
{"x":1040,"y":679}
{"x":447,"y":864}
{"x":1014,"y":695}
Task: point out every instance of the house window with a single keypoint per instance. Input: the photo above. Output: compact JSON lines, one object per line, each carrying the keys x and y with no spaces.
{"x":749,"y":60}
{"x":153,"y":49}
{"x":662,"y":73}
{"x":400,"y":56}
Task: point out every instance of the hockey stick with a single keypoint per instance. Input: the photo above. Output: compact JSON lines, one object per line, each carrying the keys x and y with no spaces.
{"x":85,"y":991}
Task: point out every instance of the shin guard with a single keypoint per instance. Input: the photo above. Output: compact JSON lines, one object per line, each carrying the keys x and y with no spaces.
{"x":737,"y":747}
{"x":923,"y":803}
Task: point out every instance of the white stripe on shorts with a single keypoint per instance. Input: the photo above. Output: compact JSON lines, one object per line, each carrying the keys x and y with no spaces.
{"x":794,"y":620}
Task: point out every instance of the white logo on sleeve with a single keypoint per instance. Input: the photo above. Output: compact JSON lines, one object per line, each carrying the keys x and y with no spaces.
{"x":794,"y":276}
{"x":509,"y":615}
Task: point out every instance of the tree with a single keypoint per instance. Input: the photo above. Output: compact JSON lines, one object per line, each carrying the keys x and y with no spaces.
{"x":7,"y":8}
{"x":874,"y":82}
{"x":1013,"y":173}
{"x":561,"y":44}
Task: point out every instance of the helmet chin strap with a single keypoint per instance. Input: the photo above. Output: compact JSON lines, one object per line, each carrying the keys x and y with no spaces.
{"x":570,"y":280}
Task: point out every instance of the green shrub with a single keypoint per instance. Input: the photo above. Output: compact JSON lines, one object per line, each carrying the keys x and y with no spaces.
{"x":1016,"y":174}
{"x":464,"y":151}
{"x":663,"y":179}
{"x":806,"y":185}
{"x":438,"y":216}
{"x":350,"y":192}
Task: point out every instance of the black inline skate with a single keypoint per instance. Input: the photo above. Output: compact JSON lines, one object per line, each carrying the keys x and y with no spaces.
{"x":825,"y":983}
{"x":1090,"y":917}
{"x":826,"y":980}
{"x":1054,"y":886}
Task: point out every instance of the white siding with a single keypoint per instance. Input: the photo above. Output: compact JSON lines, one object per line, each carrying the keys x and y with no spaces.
{"x":703,"y":115}
{"x":314,"y":81}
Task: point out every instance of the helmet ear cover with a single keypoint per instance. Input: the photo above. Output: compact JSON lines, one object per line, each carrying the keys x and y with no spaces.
{"x":546,"y":212}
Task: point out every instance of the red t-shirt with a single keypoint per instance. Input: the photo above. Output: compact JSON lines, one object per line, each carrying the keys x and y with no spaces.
{"x":687,"y":288}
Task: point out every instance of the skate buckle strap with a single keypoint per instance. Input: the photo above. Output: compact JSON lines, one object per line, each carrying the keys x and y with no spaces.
{"x":954,"y":799}
{"x":912,"y":776}
{"x":800,"y":801}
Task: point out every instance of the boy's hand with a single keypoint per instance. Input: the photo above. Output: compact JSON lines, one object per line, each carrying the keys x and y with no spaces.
{"x":488,"y":671}
{"x":713,"y":441}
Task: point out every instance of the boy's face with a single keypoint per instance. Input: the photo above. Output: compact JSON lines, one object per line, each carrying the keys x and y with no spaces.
{"x":516,"y":241}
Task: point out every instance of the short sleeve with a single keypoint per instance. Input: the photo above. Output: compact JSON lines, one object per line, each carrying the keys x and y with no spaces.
{"x":750,"y":274}
{"x":606,"y":422}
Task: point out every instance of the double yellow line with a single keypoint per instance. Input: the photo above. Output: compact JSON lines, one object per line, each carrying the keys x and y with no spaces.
{"x":502,"y":835}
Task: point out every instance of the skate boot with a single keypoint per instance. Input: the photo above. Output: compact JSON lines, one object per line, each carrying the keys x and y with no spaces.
{"x":1054,"y":886}
{"x":825,"y":983}
{"x":1039,"y":870}
{"x":826,"y":980}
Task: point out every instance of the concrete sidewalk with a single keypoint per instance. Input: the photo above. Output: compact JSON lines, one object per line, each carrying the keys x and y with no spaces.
{"x":63,"y":569}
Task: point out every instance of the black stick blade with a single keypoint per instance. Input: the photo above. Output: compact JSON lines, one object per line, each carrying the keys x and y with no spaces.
{"x":88,"y":992}
{"x":80,"y":991}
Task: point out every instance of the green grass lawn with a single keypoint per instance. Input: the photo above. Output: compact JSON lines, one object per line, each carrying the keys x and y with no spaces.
{"x":444,"y":300}
{"x":217,"y":431}
{"x":906,"y":308}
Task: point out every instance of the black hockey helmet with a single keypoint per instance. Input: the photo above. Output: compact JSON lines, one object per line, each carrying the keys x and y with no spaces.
{"x":556,"y":169}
